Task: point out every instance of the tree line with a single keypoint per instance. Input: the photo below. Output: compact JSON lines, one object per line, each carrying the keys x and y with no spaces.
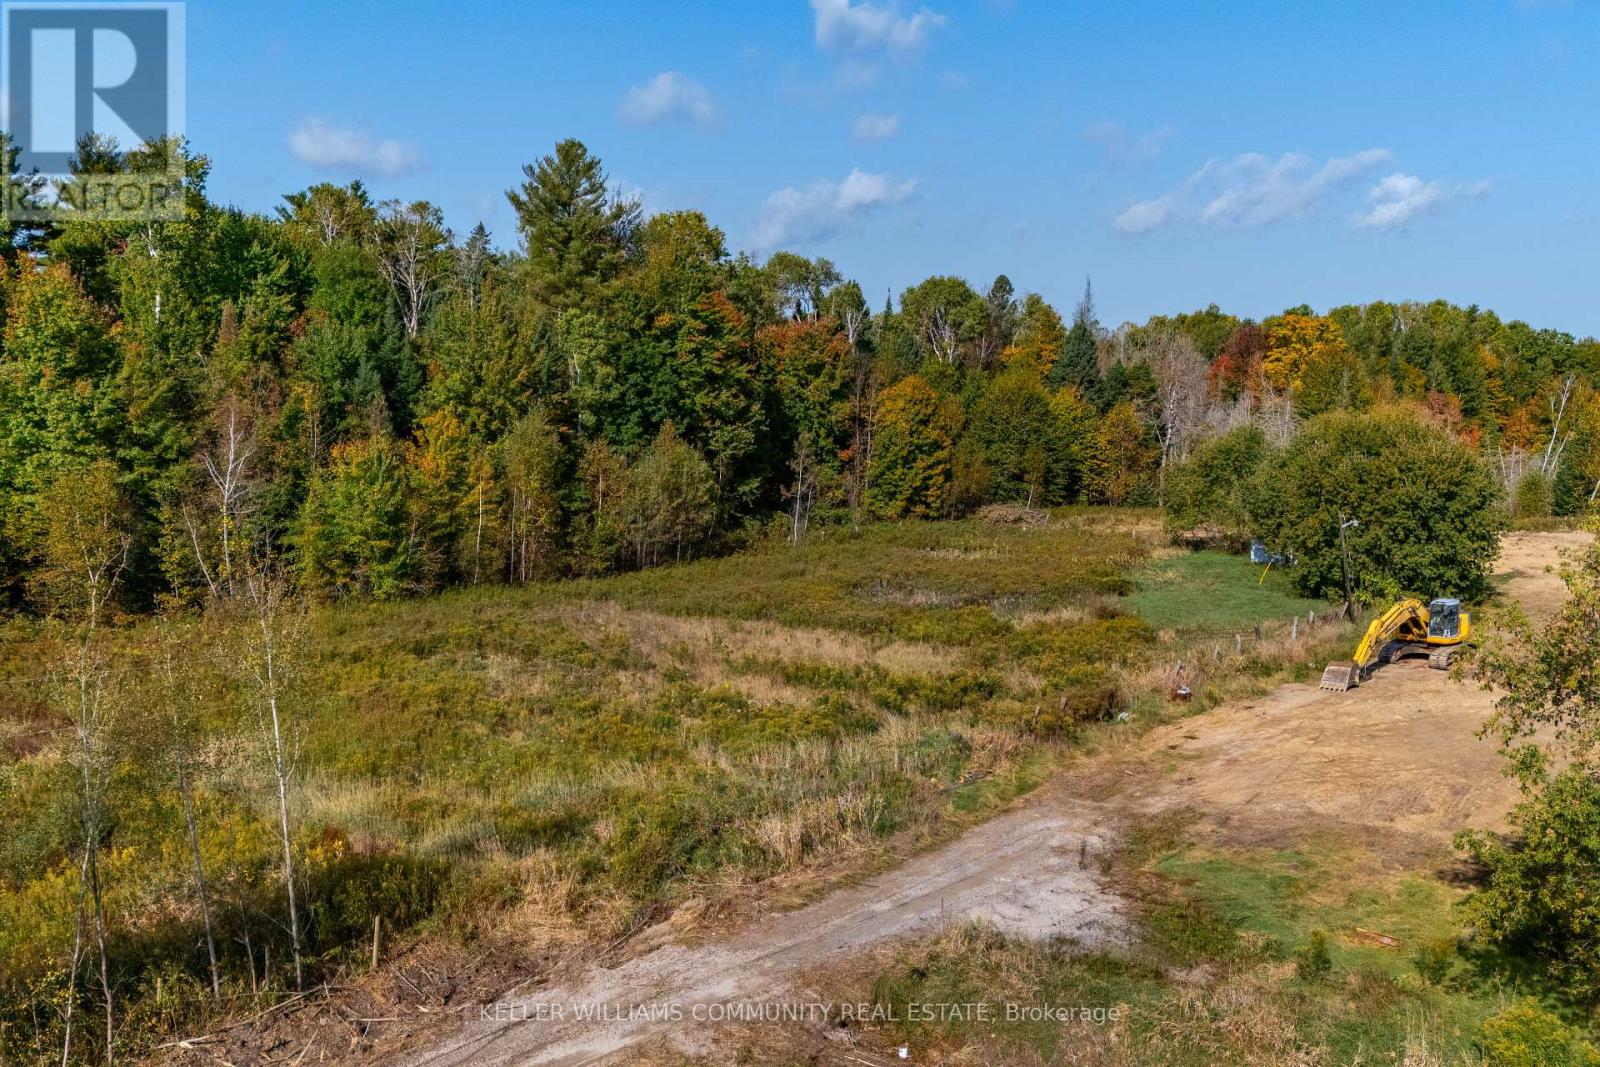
{"x":349,"y":388}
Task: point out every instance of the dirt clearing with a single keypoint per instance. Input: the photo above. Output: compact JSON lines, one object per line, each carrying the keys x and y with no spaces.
{"x":1398,"y":755}
{"x":1396,"y":762}
{"x":1529,"y":566}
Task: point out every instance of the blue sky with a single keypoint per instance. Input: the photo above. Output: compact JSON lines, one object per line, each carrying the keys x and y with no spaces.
{"x":1254,"y":155}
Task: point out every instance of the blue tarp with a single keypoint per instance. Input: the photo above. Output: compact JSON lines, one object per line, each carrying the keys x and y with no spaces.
{"x":1259,"y":554}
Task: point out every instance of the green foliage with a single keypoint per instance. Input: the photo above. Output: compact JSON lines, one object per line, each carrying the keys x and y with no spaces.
{"x":1427,"y":508}
{"x":1539,"y":900}
{"x":355,"y":536}
{"x":1029,"y":450}
{"x":1312,"y":963}
{"x":341,"y":319}
{"x":1534,"y":497}
{"x":575,"y":235}
{"x":85,"y":539}
{"x":452,"y":494}
{"x":1078,"y":366}
{"x":1122,"y":459}
{"x":60,"y":400}
{"x":1040,"y":338}
{"x":1434,"y":960}
{"x":1332,"y":379}
{"x":945,"y":318}
{"x":1212,"y":487}
{"x":534,"y":459}
{"x":1525,"y":1035}
{"x":1210,"y":329}
{"x":669,"y":505}
{"x":914,"y":430}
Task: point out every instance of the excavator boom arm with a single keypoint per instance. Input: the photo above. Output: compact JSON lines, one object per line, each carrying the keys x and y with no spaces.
{"x":1385,"y":627}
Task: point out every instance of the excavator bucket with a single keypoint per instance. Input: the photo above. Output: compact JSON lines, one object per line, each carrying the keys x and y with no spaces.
{"x":1341,"y":675}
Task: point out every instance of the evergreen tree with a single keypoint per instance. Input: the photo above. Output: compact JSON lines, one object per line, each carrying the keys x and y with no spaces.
{"x":575,"y":235}
{"x":1079,"y":365}
{"x":355,"y":533}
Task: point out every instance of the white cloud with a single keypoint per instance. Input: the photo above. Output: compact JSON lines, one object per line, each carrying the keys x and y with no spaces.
{"x":843,"y":26}
{"x":1120,"y":144}
{"x":1250,"y":190}
{"x":1399,"y":198}
{"x":875,"y":127}
{"x":320,"y":144}
{"x":1147,"y":215}
{"x":824,"y":208}
{"x":669,"y":97}
{"x":1257,"y":191}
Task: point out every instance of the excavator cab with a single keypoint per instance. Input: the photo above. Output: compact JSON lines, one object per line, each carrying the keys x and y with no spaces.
{"x":1444,"y":619}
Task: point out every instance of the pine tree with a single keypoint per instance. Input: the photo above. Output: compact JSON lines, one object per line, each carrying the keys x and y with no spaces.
{"x":576,"y":236}
{"x":1079,"y":364}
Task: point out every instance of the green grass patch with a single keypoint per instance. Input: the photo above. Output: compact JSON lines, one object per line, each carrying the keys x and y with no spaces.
{"x":1247,"y":955}
{"x":1213,"y":591}
{"x":1286,"y":894}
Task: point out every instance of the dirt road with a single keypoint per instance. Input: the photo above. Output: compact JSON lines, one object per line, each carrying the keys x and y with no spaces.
{"x":1397,"y":757}
{"x":1028,"y":872}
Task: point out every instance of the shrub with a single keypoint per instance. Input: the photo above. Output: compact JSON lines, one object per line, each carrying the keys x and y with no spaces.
{"x":1433,"y":959}
{"x":1313,"y":962}
{"x":1540,"y":899}
{"x":1534,"y":497}
{"x":1525,"y":1035}
{"x":1211,"y":488}
{"x":1427,"y":508}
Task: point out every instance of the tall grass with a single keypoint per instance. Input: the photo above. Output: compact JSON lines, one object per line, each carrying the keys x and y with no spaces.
{"x":571,"y":758}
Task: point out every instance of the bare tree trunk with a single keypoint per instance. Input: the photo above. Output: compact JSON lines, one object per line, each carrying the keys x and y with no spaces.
{"x":1552,"y":455}
{"x":100,"y":943}
{"x":180,"y":709}
{"x":77,"y":958}
{"x":477,"y":543}
{"x":186,"y":790}
{"x":280,"y":771}
{"x":273,"y":633}
{"x":86,"y":553}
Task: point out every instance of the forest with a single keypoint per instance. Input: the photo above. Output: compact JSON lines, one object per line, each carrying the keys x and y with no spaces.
{"x":352,"y":392}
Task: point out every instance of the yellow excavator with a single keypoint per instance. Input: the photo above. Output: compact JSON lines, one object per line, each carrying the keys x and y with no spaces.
{"x":1410,"y":628}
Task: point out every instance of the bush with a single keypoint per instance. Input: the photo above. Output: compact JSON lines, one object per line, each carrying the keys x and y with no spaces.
{"x":1434,"y":959}
{"x":1525,"y":1035}
{"x":1313,"y":962}
{"x":1540,"y":900}
{"x":1211,"y":488}
{"x":1534,"y":497}
{"x":1426,"y":507}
